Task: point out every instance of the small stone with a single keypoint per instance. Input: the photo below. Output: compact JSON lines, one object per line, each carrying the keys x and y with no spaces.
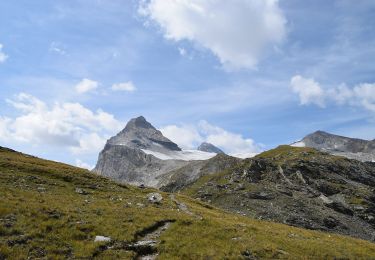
{"x":247,"y":254}
{"x":154,"y":197}
{"x":102,"y":239}
{"x":325,"y":199}
{"x":282,"y":252}
{"x":81,"y":191}
{"x":41,"y":189}
{"x":359,"y":207}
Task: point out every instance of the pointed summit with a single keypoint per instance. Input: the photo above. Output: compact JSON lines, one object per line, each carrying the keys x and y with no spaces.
{"x":139,"y":133}
{"x":139,"y":122}
{"x":210,"y":148}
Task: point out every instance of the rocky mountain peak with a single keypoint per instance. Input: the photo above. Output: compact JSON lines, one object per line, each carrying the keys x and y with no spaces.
{"x":138,"y":122}
{"x":140,"y":134}
{"x":353,"y":148}
{"x":210,"y":148}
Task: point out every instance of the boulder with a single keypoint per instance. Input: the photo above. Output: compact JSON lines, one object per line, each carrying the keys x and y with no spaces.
{"x":260,"y":195}
{"x":81,"y":191}
{"x":102,"y":239}
{"x":154,"y":197}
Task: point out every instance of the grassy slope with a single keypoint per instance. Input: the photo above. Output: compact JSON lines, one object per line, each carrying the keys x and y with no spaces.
{"x":41,"y":214}
{"x":283,"y":154}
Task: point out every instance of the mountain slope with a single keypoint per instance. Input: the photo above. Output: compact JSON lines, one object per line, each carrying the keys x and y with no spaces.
{"x":181,"y":177}
{"x":353,"y":148}
{"x":297,"y":186}
{"x":131,"y":165}
{"x":55,"y":211}
{"x":140,"y":154}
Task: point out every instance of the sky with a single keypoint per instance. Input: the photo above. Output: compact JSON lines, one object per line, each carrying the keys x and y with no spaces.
{"x":245,"y":75}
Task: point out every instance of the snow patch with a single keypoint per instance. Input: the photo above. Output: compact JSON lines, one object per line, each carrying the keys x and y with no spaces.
{"x":192,"y":155}
{"x":244,"y":155}
{"x":298,"y":144}
{"x":186,"y":155}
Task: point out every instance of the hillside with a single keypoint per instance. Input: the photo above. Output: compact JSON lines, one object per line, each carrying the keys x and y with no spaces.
{"x":179,"y":178}
{"x":52,"y":210}
{"x":297,"y":186}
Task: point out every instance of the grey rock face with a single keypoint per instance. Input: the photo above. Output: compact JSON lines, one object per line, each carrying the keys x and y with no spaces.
{"x":132,"y":165}
{"x":210,"y":148}
{"x":140,"y":134}
{"x":362,"y":150}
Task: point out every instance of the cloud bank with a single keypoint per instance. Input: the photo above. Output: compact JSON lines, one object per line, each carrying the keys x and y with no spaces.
{"x":68,"y":125}
{"x":236,"y":32}
{"x":190,"y":136}
{"x":311,"y":92}
{"x":125,"y":86}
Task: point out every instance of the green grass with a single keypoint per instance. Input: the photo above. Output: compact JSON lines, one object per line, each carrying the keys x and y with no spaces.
{"x":42,"y":216}
{"x":286,"y":153}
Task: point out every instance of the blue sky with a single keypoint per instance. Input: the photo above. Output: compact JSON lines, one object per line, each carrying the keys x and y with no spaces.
{"x":246,"y":75}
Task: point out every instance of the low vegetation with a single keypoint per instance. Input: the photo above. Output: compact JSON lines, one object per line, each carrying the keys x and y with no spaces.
{"x":55,"y":211}
{"x":297,"y":186}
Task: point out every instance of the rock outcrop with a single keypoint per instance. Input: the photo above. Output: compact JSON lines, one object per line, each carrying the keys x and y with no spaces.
{"x":210,"y":148}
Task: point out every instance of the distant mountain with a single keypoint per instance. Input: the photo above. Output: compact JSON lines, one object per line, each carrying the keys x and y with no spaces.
{"x":140,"y":134}
{"x":353,"y":148}
{"x":210,"y":148}
{"x":140,"y":154}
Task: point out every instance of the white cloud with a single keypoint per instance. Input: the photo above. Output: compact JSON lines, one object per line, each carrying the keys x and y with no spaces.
{"x":190,"y":136}
{"x":235,"y":31}
{"x":86,"y":85}
{"x":186,"y":136}
{"x":182,"y":51}
{"x":365,"y":93}
{"x":3,"y":56}
{"x":4,"y":131}
{"x":309,"y":90}
{"x":57,"y":48}
{"x":68,"y":125}
{"x":341,"y":94}
{"x":88,"y":143}
{"x":83,"y":165}
{"x":125,"y":86}
{"x":230,"y":142}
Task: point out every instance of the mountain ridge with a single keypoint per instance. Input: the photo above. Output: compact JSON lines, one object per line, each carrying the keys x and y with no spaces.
{"x":352,"y":148}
